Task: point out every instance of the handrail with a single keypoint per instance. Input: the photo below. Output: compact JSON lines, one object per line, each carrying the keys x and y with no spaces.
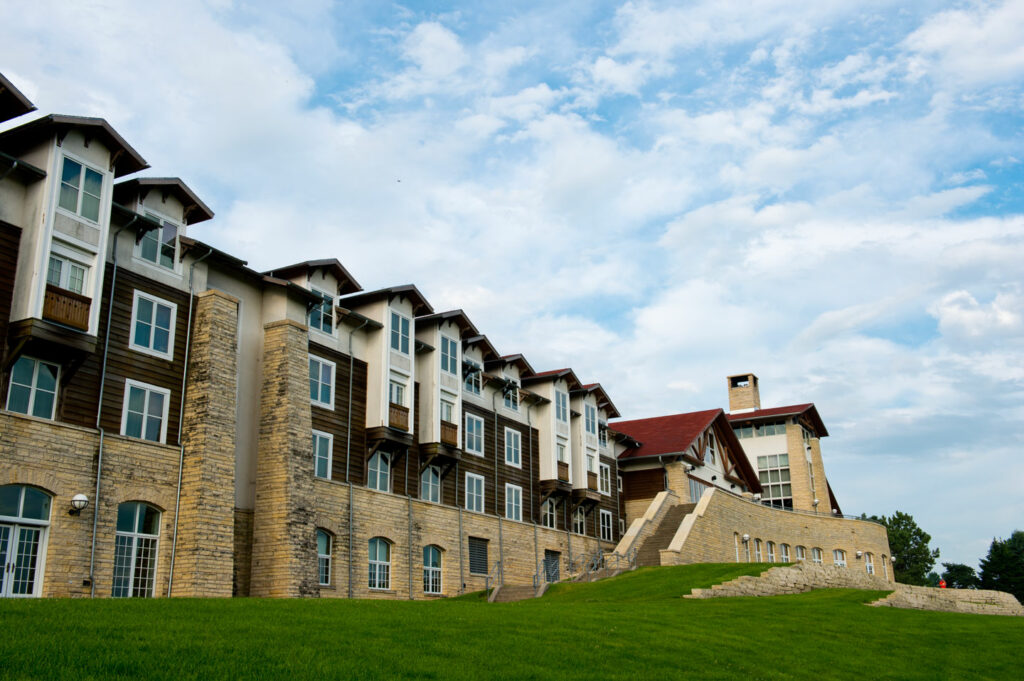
{"x":816,"y":514}
{"x":500,"y":576}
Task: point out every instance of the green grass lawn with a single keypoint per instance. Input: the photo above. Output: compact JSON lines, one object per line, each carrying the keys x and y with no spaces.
{"x":632,"y":627}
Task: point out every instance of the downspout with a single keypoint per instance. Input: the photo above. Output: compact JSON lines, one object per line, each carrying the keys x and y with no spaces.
{"x":533,"y":519}
{"x":462,"y":574}
{"x":99,"y":411}
{"x":348,"y":451}
{"x":501,"y":539}
{"x":408,"y":498}
{"x":181,"y":413}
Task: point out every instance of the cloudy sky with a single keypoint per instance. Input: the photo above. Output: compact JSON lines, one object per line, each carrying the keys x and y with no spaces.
{"x":827,"y":194}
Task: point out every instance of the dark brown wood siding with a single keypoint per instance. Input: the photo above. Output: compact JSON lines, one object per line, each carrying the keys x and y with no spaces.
{"x":642,"y":484}
{"x":81,"y":392}
{"x":611,"y":502}
{"x":10,"y":241}
{"x":335,"y":422}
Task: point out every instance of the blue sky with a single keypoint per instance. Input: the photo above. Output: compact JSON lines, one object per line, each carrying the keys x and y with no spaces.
{"x":658,"y":194}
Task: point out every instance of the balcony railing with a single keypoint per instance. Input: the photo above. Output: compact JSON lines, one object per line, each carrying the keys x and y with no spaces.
{"x":66,"y":307}
{"x":563,"y":471}
{"x":449,"y":434}
{"x":398,"y":416}
{"x":592,"y":481}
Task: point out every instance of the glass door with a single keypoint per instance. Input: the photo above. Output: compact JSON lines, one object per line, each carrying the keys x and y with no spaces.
{"x":19,"y":549}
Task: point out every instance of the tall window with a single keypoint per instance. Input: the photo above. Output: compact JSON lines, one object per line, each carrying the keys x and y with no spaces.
{"x":448,"y":411}
{"x":431,"y":570}
{"x":591,"y":461}
{"x":473,"y":381}
{"x":602,"y":435}
{"x":606,"y":525}
{"x":579,"y":521}
{"x":430,"y":484}
{"x":513,"y":502}
{"x":474,"y":492}
{"x":547,"y":514}
{"x":869,"y":564}
{"x":80,"y":190}
{"x":449,"y":356}
{"x":562,"y":456}
{"x":757,"y":550}
{"x":839,"y":557}
{"x":378,"y":474}
{"x":511,"y":393}
{"x":513,"y":448}
{"x":323,"y":557}
{"x":159,"y":246}
{"x":380,"y":563}
{"x":24,"y":521}
{"x":33,"y":388}
{"x":800,"y":553}
{"x":321,"y":382}
{"x":775,"y":485}
{"x":562,"y":406}
{"x":66,"y":274}
{"x":590,"y":415}
{"x":144,"y":413}
{"x":697,"y":488}
{"x":784,"y":553}
{"x":474,"y":435}
{"x":709,"y":450}
{"x":399,"y":333}
{"x":396,"y":393}
{"x":771,"y":552}
{"x":816,"y":556}
{"x":135,"y":550}
{"x":604,"y":478}
{"x":153,"y":325}
{"x":322,"y":455}
{"x":321,"y":315}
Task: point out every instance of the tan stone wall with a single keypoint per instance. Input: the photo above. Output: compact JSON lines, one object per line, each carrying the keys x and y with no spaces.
{"x":795,"y":579}
{"x":708,"y":534}
{"x":204,"y":561}
{"x":61,"y":460}
{"x":799,"y":477}
{"x":978,"y":602}
{"x":284,"y":547}
{"x":679,"y":482}
{"x":242,"y":574}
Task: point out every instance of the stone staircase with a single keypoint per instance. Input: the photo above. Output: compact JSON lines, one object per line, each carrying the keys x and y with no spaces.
{"x":649,"y":552}
{"x":508,"y":593}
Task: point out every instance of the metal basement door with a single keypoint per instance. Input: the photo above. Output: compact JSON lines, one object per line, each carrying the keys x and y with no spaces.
{"x":552,"y":561}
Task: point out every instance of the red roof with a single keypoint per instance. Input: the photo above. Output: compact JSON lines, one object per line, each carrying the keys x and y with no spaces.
{"x":792,"y":410}
{"x":665,"y":434}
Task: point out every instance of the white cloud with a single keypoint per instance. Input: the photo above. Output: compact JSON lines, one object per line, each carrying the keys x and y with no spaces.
{"x":960,"y":314}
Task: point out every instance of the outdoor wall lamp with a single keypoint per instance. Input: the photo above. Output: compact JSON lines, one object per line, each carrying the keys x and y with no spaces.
{"x":78,"y":502}
{"x":757,"y":497}
{"x":746,"y":538}
{"x":815,"y":502}
{"x":691,"y":467}
{"x":859,"y":554}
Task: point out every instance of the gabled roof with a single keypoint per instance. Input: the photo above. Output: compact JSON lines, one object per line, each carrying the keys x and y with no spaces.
{"x":489,"y":351}
{"x":524,"y":367}
{"x":12,"y":102}
{"x":346,"y":282}
{"x":195,"y":209}
{"x":554,"y":374}
{"x":419,"y":303}
{"x":807,"y":410}
{"x":457,"y":317}
{"x":603,"y":401}
{"x":125,"y":159}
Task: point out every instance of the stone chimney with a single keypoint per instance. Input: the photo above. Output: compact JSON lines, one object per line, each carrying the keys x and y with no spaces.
{"x":743,"y":393}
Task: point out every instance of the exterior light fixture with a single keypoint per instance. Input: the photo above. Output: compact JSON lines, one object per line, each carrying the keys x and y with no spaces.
{"x":746,"y":538}
{"x":860,"y":553}
{"x":78,"y":502}
{"x":815,"y":502}
{"x":714,"y":477}
{"x":835,"y":511}
{"x":757,"y":497}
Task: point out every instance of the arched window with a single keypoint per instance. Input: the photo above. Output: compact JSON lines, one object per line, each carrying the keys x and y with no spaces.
{"x":135,"y":550}
{"x":736,"y":540}
{"x":380,"y":563}
{"x":431,"y":570}
{"x":784,"y":553}
{"x":816,"y":555}
{"x":771,"y":552}
{"x":801,"y":553}
{"x":323,"y":557}
{"x":757,"y":550}
{"x":885,"y":567}
{"x":869,"y":563}
{"x":430,"y":484}
{"x":378,"y":475}
{"x":839,"y":557}
{"x":547,"y":513}
{"x":24,"y":523}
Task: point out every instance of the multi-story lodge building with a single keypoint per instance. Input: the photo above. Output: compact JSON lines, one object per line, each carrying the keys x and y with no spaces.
{"x":177,"y":423}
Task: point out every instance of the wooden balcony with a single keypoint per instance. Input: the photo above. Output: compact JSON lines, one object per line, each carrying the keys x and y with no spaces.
{"x":66,"y":307}
{"x":563,"y":471}
{"x":398,"y":416}
{"x":449,"y":434}
{"x":592,"y":481}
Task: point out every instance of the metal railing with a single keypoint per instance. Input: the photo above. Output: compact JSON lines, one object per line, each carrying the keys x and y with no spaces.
{"x":497,"y":575}
{"x":816,"y":514}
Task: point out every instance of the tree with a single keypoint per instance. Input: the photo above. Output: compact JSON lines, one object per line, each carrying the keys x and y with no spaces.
{"x":932,"y":579}
{"x":959,"y":576}
{"x":911,"y":556}
{"x":1003,"y":568}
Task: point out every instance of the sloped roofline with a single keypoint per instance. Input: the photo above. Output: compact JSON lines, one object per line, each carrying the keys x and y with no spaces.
{"x":174,"y":185}
{"x":126,"y":159}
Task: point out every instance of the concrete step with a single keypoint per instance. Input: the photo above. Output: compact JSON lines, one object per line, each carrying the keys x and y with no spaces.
{"x":650,"y":551}
{"x":510,"y":593}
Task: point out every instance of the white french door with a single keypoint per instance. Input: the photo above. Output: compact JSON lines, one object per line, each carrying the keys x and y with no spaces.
{"x":19,"y":553}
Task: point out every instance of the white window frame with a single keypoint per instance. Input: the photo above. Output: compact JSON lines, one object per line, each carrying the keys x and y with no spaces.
{"x":318,"y":436}
{"x":322,"y":362}
{"x":430,"y":484}
{"x":149,"y":389}
{"x":400,"y":333}
{"x":618,"y":483}
{"x":579,"y":521}
{"x":622,"y":526}
{"x":562,"y":406}
{"x":784,"y":553}
{"x":26,"y":577}
{"x":590,"y":418}
{"x":379,"y":571}
{"x":447,"y":409}
{"x":138,"y":347}
{"x":771,"y":551}
{"x":379,"y":471}
{"x":800,"y":552}
{"x":473,"y":383}
{"x":396,"y":392}
{"x":513,"y":448}
{"x":432,"y":575}
{"x":449,"y":356}
{"x":757,"y":551}
{"x":869,"y":564}
{"x":475,"y":435}
{"x":816,"y":556}
{"x":513,"y":502}
{"x":323,"y":560}
{"x":562,"y":452}
{"x":64,"y":278}
{"x":511,"y":398}
{"x":591,"y":460}
{"x":80,"y":189}
{"x":160,"y":239}
{"x":839,"y":557}
{"x":547,"y":514}
{"x":153,"y":549}
{"x":480,"y":499}
{"x":328,"y":302}
{"x":604,"y":479}
{"x":33,"y":389}
{"x":605,"y":525}
{"x":602,"y":435}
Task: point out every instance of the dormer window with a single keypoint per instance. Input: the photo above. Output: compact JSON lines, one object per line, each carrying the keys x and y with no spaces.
{"x":80,"y":190}
{"x":321,"y":315}
{"x":160,"y":246}
{"x":449,"y":356}
{"x":399,"y":333}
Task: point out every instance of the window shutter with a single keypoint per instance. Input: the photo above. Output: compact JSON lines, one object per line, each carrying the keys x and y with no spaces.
{"x":477,"y":556}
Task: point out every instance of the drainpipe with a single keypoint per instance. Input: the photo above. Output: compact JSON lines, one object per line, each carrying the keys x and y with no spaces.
{"x":99,"y":411}
{"x":408,"y":498}
{"x":348,"y":451}
{"x":533,"y":519}
{"x":181,"y":413}
{"x":462,"y":574}
{"x":501,"y":539}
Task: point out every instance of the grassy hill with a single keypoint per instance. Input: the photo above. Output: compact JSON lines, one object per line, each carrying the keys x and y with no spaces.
{"x":632,"y":627}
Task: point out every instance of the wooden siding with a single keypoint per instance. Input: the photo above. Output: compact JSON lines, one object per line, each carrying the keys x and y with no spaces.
{"x":335,"y":421}
{"x":10,"y":240}
{"x":642,"y":484}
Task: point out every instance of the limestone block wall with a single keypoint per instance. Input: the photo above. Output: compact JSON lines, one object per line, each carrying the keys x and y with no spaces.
{"x":713,"y":533}
{"x":979,"y":602}
{"x":798,"y":578}
{"x":647,"y":524}
{"x":204,"y":561}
